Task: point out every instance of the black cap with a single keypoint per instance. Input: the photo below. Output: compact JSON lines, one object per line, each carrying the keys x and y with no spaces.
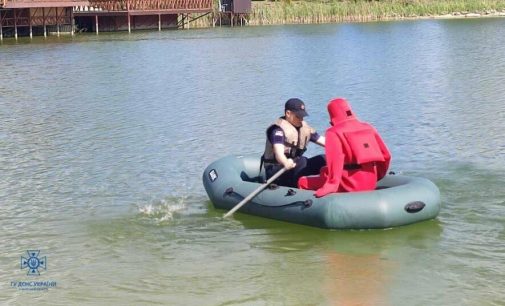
{"x":296,"y":106}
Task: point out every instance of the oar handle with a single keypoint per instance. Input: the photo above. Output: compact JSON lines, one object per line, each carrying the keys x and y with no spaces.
{"x":255,"y":192}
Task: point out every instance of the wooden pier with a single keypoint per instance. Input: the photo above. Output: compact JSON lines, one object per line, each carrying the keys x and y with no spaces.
{"x":128,"y":15}
{"x":233,"y":12}
{"x":47,"y":17}
{"x":32,"y":17}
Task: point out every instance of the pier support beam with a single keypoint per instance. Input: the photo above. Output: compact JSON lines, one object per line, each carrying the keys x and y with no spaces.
{"x":183,"y":20}
{"x":96,"y":24}
{"x":30,"y":20}
{"x":58,"y":21}
{"x":1,"y":31}
{"x":44,"y":18}
{"x":15,"y":24}
{"x":73,"y":23}
{"x":159,"y":22}
{"x":129,"y":24}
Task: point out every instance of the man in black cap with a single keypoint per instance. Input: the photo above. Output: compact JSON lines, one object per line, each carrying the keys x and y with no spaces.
{"x":287,"y":139}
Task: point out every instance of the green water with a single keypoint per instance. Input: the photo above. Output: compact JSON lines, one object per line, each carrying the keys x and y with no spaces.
{"x":103,"y":140}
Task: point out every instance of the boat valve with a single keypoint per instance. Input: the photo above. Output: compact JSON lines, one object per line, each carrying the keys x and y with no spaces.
{"x":228,"y":191}
{"x":290,"y":192}
{"x":414,"y":207}
{"x":307,"y":203}
{"x":273,"y":186}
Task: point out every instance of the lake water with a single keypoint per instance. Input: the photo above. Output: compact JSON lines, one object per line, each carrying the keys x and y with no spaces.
{"x":103,"y":141}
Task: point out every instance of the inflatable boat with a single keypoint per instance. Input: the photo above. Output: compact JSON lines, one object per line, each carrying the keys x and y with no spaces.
{"x":397,"y":200}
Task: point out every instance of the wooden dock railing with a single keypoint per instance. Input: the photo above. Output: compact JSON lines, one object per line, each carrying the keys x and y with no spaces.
{"x":114,"y":5}
{"x":150,"y":5}
{"x":10,"y":4}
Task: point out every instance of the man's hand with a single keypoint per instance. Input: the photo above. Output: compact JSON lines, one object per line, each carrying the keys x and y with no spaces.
{"x":321,"y":141}
{"x":289,"y":164}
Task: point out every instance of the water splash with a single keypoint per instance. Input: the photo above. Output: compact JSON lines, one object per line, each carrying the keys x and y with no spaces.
{"x":163,"y":210}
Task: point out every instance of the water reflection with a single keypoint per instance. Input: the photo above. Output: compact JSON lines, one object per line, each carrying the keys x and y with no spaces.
{"x":357,"y":279}
{"x":358,"y":267}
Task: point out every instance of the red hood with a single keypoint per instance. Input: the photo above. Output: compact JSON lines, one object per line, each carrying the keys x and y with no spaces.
{"x":339,"y":111}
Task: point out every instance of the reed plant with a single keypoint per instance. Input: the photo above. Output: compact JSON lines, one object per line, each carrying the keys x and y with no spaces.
{"x":327,"y":11}
{"x":323,"y":11}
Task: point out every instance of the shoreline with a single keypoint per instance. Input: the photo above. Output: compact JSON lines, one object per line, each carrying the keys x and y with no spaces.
{"x":359,"y":19}
{"x":289,"y":12}
{"x":304,"y":12}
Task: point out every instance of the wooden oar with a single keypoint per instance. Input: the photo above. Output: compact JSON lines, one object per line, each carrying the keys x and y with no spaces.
{"x":255,"y":192}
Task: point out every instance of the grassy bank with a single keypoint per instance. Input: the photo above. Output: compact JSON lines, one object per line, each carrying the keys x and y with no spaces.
{"x":328,"y":11}
{"x":281,"y":12}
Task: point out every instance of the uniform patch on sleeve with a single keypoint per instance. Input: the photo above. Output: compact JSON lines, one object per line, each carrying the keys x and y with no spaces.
{"x":276,"y":136}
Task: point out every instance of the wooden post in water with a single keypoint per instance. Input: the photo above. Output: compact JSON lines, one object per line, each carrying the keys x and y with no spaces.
{"x":1,"y":27}
{"x":30,"y":20}
{"x":57,"y":22}
{"x":15,"y":25}
{"x":129,"y":23}
{"x":73,"y":22}
{"x":159,"y":22}
{"x":44,"y":18}
{"x":96,"y":24}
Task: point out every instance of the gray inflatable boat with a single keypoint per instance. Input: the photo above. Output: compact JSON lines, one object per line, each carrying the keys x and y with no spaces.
{"x":398,"y":200}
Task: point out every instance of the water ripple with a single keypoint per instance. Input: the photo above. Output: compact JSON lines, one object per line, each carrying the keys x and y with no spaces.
{"x":103,"y":140}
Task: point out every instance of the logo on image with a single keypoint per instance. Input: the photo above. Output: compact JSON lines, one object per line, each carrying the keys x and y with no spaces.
{"x":33,"y":262}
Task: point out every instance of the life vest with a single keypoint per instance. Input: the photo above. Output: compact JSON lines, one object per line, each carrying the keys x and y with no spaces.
{"x":295,"y":140}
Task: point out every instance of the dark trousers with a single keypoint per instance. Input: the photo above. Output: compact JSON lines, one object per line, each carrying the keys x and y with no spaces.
{"x":304,"y":166}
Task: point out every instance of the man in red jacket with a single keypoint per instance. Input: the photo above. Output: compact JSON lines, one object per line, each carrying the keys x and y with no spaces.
{"x":356,"y":155}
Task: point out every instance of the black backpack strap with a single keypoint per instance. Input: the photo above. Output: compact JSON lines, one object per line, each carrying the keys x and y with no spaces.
{"x":261,"y":166}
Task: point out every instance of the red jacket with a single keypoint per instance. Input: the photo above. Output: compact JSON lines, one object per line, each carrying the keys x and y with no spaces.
{"x":356,"y":155}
